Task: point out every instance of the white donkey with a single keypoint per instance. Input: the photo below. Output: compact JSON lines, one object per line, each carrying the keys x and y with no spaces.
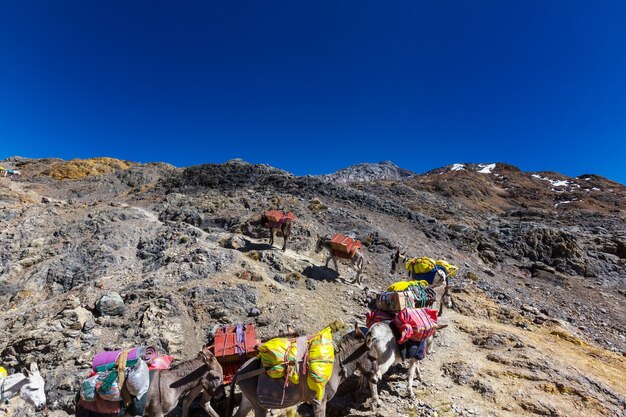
{"x":388,"y":353}
{"x":28,"y":385}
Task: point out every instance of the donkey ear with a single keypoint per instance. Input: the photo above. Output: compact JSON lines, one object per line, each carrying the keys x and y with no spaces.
{"x":357,"y":330}
{"x":33,"y":368}
{"x":369,"y":340}
{"x":441,"y":326}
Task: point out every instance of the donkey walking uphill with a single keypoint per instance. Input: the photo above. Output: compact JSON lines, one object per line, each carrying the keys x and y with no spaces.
{"x":202,"y":374}
{"x":353,"y":353}
{"x":437,"y":277}
{"x":353,"y":253}
{"x":388,"y":351}
{"x":29,"y":385}
{"x":279,"y":220}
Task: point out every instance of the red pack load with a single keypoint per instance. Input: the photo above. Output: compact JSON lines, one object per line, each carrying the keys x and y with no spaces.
{"x":344,"y":246}
{"x":416,"y":323}
{"x":276,"y":217}
{"x":233,"y":346}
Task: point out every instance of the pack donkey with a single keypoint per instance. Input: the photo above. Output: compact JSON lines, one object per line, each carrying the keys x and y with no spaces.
{"x":354,"y":353}
{"x":187,"y":380}
{"x":29,"y":385}
{"x":284,"y":226}
{"x":387,"y":350}
{"x":440,"y":282}
{"x":357,"y":261}
{"x":202,"y":374}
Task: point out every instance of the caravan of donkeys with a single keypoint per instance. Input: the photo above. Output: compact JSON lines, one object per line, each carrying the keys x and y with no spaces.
{"x":272,"y":374}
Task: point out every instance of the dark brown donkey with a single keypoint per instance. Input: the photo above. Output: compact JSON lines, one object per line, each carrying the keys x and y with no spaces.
{"x":283,"y":225}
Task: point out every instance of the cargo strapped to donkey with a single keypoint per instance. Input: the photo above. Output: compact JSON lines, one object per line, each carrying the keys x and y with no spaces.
{"x":286,"y":361}
{"x":344,"y":246}
{"x":276,"y":218}
{"x":413,"y":297}
{"x":416,"y":324}
{"x":233,"y":346}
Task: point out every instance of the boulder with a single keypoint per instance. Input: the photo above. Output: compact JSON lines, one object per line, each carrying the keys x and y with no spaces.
{"x":111,"y":304}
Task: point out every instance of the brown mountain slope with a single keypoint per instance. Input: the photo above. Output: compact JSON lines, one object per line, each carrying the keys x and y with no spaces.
{"x":538,"y":326}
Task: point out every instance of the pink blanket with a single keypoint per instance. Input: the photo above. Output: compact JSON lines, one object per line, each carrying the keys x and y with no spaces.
{"x":110,"y":357}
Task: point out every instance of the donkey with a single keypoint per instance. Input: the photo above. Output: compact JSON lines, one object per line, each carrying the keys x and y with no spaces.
{"x":285,"y":229}
{"x":357,"y":261}
{"x":202,"y":374}
{"x":354,"y":353}
{"x":388,"y":353}
{"x":440,"y":280}
{"x":29,"y":385}
{"x":10,"y":172}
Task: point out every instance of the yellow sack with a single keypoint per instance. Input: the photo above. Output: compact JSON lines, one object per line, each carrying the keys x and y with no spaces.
{"x":3,"y":372}
{"x":403,"y":285}
{"x":278,"y":356}
{"x":450,"y":269}
{"x":321,"y":360}
{"x":421,"y":265}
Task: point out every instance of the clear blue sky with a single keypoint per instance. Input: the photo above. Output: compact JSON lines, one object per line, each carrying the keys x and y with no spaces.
{"x":315,"y":86}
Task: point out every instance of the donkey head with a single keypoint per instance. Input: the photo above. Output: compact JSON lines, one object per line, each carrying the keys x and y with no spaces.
{"x":321,"y":240}
{"x":367,"y":364}
{"x":395,"y":260}
{"x":215,"y":376}
{"x":33,"y":390}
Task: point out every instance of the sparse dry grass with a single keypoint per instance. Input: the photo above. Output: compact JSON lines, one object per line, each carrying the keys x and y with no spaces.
{"x":81,"y":168}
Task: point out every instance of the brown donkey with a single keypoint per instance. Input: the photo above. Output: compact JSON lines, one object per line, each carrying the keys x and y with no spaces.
{"x":284,"y":226}
{"x":202,"y":374}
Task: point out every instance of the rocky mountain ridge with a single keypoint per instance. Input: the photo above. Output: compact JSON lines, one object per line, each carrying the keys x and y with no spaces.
{"x":538,"y":326}
{"x":368,"y":171}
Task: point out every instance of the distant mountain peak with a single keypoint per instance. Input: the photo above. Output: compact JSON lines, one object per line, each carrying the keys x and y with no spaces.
{"x":369,"y":171}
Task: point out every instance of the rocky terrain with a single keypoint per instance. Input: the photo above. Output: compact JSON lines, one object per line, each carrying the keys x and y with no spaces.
{"x":368,"y":171}
{"x":101,"y":253}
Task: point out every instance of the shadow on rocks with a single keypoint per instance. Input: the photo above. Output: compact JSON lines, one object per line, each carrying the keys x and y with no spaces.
{"x":251,"y":246}
{"x":320,"y":273}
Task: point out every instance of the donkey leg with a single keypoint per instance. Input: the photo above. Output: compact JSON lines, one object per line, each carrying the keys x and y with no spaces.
{"x":336,"y":267}
{"x":245,"y":407}
{"x":412,"y":367}
{"x":319,"y":408}
{"x":377,"y":402}
{"x":189,"y":399}
{"x":271,"y":236}
{"x":285,"y":236}
{"x":430,"y":345}
{"x":206,"y":404}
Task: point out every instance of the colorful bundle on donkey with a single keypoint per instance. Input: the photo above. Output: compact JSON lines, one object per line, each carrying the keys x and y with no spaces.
{"x":282,"y":358}
{"x":126,"y":376}
{"x":404,"y":285}
{"x":278,"y":357}
{"x":321,"y":361}
{"x":416,"y":324}
{"x":413,"y":297}
{"x":376,"y":316}
{"x":421,"y":265}
{"x":448,"y":267}
{"x":105,"y":361}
